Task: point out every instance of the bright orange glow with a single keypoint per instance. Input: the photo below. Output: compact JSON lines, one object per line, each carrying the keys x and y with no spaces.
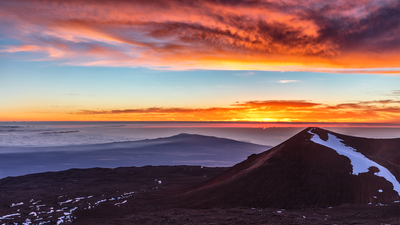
{"x":387,"y":111}
{"x":271,"y":36}
{"x":342,"y":37}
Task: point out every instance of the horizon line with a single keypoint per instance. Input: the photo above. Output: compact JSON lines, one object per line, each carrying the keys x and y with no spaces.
{"x":267,"y":124}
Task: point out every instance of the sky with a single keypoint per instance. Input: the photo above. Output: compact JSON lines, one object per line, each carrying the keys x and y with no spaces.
{"x":184,"y":60}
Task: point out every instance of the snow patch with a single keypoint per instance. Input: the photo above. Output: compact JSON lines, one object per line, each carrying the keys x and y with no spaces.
{"x":68,"y":201}
{"x":78,"y":199}
{"x":36,"y":202}
{"x":10,"y":215}
{"x":380,"y":190}
{"x":38,"y":207}
{"x":64,"y":219}
{"x":120,"y":203}
{"x":359,"y":162}
{"x":16,"y":204}
{"x":100,"y":201}
{"x":27,"y":222}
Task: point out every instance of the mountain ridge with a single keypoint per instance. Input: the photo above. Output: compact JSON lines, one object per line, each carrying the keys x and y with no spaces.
{"x":296,"y":173}
{"x":184,"y":149}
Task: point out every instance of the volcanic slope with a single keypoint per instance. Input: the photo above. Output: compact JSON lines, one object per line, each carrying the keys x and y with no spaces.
{"x":314,"y":168}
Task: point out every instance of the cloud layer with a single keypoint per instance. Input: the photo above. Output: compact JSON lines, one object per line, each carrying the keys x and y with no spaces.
{"x":267,"y":111}
{"x":343,"y":36}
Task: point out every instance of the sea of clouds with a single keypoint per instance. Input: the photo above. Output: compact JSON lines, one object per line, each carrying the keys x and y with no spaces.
{"x":47,"y":134}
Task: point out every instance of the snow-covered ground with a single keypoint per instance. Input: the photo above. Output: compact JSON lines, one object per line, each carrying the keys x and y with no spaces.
{"x":61,"y":213}
{"x":359,"y":162}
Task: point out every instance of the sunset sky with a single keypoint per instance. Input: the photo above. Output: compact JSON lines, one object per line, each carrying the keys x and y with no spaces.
{"x":185,"y":60}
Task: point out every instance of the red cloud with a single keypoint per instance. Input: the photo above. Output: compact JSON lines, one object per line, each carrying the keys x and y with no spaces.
{"x":339,"y":36}
{"x":278,"y":103}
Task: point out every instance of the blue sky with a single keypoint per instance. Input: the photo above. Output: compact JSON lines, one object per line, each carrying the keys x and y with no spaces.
{"x":215,"y":61}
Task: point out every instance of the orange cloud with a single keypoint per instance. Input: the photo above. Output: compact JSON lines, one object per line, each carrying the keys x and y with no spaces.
{"x":278,"y":103}
{"x":339,"y":36}
{"x":51,"y":51}
{"x":267,"y":111}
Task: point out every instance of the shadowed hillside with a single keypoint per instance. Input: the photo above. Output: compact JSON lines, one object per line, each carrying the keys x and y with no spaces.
{"x":302,"y":173}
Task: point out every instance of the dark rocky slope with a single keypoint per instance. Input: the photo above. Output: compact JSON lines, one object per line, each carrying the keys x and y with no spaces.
{"x":301,"y":173}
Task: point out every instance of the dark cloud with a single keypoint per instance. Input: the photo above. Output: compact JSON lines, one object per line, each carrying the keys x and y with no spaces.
{"x":151,"y":110}
{"x":370,"y":106}
{"x":278,"y":103}
{"x":377,"y":30}
{"x":396,"y":93}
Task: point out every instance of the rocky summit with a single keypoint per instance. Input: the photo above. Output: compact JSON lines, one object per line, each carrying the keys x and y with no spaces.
{"x":314,"y":168}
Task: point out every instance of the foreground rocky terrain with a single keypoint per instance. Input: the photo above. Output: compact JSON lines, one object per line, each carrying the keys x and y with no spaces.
{"x":139,"y":195}
{"x":315,"y":177}
{"x":54,"y":197}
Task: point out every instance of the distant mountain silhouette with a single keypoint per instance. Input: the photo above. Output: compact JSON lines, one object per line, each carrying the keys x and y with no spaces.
{"x":314,"y":168}
{"x":181,"y":149}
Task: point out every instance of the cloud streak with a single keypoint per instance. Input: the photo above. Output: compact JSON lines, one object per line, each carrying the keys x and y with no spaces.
{"x":340,"y":36}
{"x":269,"y":110}
{"x":287,"y":81}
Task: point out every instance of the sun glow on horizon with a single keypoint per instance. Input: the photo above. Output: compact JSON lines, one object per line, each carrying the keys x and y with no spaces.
{"x":249,"y":111}
{"x":263,"y":61}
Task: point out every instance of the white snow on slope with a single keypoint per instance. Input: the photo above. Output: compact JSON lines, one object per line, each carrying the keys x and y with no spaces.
{"x":16,"y":204}
{"x":11,"y":215}
{"x":359,"y":162}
